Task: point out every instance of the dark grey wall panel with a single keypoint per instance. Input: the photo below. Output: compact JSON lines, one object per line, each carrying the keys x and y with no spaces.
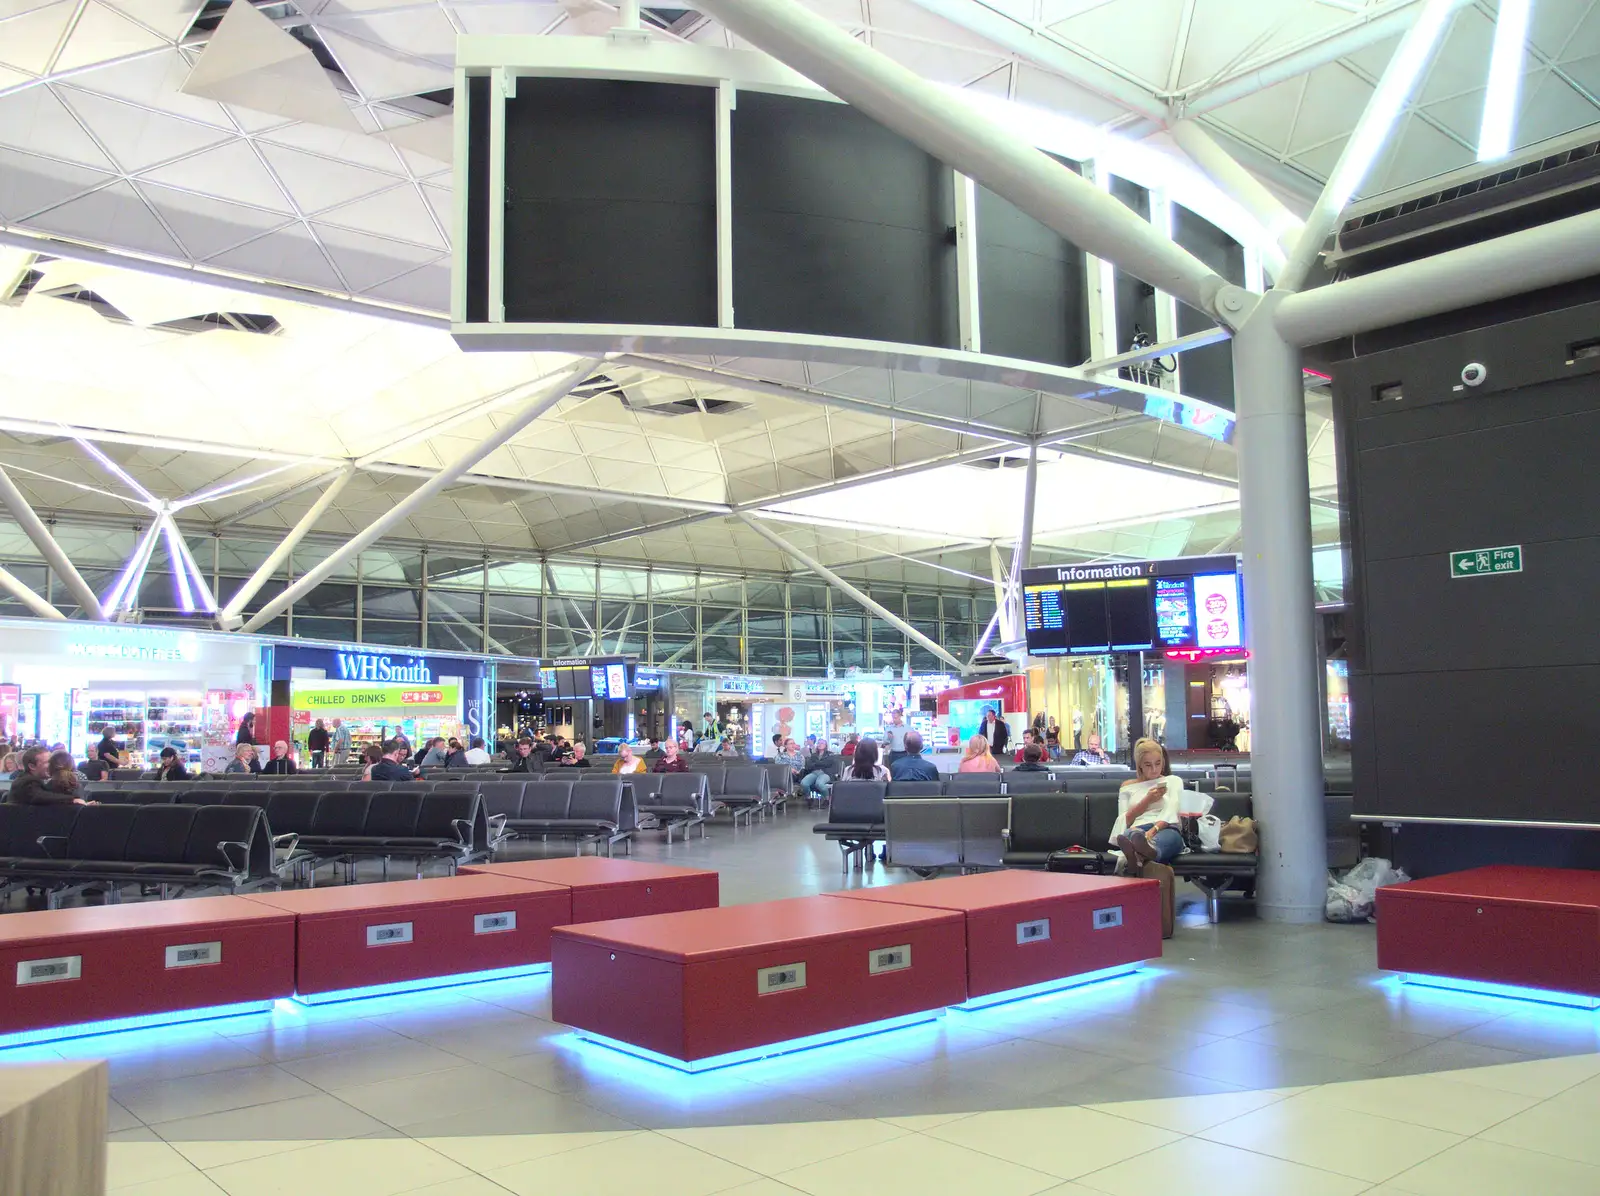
{"x":840,"y":227}
{"x":1031,"y":286}
{"x":1462,"y":689}
{"x":611,"y":203}
{"x":1206,"y":373}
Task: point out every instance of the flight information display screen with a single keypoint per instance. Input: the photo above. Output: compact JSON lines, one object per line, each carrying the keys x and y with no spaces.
{"x":1133,"y":607}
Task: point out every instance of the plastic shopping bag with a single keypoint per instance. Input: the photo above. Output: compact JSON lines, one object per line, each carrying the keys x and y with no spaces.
{"x":1210,"y":833}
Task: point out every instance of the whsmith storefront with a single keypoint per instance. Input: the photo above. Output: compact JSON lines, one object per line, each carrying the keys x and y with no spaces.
{"x":380,"y":694}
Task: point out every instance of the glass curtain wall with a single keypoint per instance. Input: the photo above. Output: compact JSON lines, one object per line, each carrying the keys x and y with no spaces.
{"x":416,"y":598}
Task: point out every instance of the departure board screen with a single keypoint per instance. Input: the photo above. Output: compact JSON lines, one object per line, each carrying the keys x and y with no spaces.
{"x":1128,"y":615}
{"x":1133,"y":606}
{"x":1087,"y":623}
{"x":1044,"y":619}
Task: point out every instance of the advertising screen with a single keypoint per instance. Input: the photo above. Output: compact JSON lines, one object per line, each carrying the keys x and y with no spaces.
{"x":966,"y":714}
{"x":617,"y":682}
{"x":1216,"y":607}
{"x":598,"y":682}
{"x":547,"y":681}
{"x":1175,"y":611}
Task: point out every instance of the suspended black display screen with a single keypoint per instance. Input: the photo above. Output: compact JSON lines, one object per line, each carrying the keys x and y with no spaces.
{"x":840,"y":227}
{"x":611,"y":203}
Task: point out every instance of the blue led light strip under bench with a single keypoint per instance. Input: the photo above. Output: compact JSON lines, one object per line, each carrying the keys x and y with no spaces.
{"x":1515,"y":992}
{"x":767,"y":1050}
{"x":1046,"y":987}
{"x":422,"y":984}
{"x":142,"y":1021}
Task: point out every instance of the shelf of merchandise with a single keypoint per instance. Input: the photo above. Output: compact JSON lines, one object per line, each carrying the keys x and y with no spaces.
{"x":176,"y":718}
{"x":123,"y":715}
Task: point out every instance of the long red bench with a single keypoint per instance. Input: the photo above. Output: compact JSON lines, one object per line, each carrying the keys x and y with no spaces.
{"x":1029,"y":932}
{"x":705,"y":988}
{"x":605,"y":888}
{"x":1515,"y":928}
{"x":143,"y":963}
{"x":353,"y":939}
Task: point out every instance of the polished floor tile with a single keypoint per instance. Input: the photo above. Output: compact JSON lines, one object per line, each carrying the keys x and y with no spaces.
{"x":1333,"y":1139}
{"x":1186,"y":1115}
{"x":1480,"y":1168}
{"x":1198,"y":1166}
{"x":385,"y":1168}
{"x":1434,"y":1102}
{"x":917,"y":1165}
{"x":188,"y":1096}
{"x":770,"y":1149}
{"x":1064,"y":1142}
{"x":641,"y":1163}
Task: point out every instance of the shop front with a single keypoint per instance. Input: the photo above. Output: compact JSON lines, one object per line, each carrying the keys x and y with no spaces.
{"x":377,"y":695}
{"x":151,"y":687}
{"x":961,"y":708}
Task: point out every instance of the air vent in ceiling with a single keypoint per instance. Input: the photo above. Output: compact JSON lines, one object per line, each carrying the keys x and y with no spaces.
{"x":212,"y":11}
{"x":1000,"y":462}
{"x":24,"y":287}
{"x":86,"y":297}
{"x":673,"y":20}
{"x":228,"y":321}
{"x":1470,"y":206}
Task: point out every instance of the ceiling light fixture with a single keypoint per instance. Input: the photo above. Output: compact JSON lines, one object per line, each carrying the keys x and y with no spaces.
{"x":1499,"y":125}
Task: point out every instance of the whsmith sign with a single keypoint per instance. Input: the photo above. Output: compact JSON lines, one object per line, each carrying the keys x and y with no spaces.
{"x":1120,"y":570}
{"x":364,"y":666}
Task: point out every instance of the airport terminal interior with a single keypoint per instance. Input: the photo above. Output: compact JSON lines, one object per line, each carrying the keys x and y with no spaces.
{"x":799,"y":596}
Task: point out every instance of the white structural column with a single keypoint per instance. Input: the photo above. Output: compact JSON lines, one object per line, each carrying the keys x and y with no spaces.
{"x":839,"y":583}
{"x":48,"y":548}
{"x":24,"y":594}
{"x":1285,"y":721}
{"x":963,"y":138}
{"x":1282,"y":225}
{"x":535,"y":407}
{"x":229,"y":615}
{"x":1030,"y":491}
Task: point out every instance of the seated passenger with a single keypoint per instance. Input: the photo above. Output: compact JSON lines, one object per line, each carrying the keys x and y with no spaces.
{"x":627,"y":761}
{"x":280,"y":765}
{"x":913,"y":766}
{"x":654,"y":752}
{"x":864,"y":764}
{"x":65,"y":779}
{"x":670,"y":760}
{"x":576,"y":759}
{"x":815,"y":777}
{"x":370,"y":754}
{"x":1148,"y":810}
{"x":390,"y":766}
{"x":522,"y":757}
{"x":1032,"y":759}
{"x":171,"y":767}
{"x":477,"y":755}
{"x":32,"y":788}
{"x":244,"y":760}
{"x":977,"y":757}
{"x":1028,"y":739}
{"x":1090,"y":753}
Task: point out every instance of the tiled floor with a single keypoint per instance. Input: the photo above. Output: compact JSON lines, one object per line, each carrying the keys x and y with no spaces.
{"x":1253,"y":1059}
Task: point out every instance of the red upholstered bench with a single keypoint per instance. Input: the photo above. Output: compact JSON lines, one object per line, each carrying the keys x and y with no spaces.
{"x":146,"y":962}
{"x":1031,"y":932}
{"x":604,"y":888}
{"x":709,"y":987}
{"x":1497,"y":929}
{"x":360,"y":940}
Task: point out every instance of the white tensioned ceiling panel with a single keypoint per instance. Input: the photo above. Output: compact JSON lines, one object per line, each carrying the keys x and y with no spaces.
{"x":321,"y":139}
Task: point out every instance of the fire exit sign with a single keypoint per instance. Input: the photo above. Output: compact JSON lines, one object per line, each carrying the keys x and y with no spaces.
{"x":1482,"y":562}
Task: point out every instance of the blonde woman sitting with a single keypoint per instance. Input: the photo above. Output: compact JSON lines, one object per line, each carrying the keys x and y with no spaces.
{"x":977,"y":757}
{"x":1146,"y":829}
{"x":627,"y":761}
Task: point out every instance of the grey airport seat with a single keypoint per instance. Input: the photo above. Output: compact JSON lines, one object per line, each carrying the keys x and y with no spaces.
{"x":683,"y":799}
{"x":855,"y":818}
{"x":976,"y":784}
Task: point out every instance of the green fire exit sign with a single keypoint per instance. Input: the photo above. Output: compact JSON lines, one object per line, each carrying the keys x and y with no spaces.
{"x":1481,"y":562}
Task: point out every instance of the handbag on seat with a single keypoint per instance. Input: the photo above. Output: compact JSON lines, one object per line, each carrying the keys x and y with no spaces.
{"x":1239,"y":837}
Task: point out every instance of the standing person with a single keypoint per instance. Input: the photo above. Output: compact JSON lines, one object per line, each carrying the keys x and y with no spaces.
{"x":978,"y":757}
{"x":913,"y":766}
{"x":894,"y":737}
{"x":627,"y":762}
{"x":993,"y":728}
{"x":1148,"y":810}
{"x":709,"y":731}
{"x":1052,"y":739}
{"x":32,"y":788}
{"x":341,"y":742}
{"x":108,"y":749}
{"x":850,"y":742}
{"x":317,"y":744}
{"x":171,"y":767}
{"x":247,"y":729}
{"x":670,"y":760}
{"x":280,"y":765}
{"x":1028,"y":740}
{"x":1091,"y":754}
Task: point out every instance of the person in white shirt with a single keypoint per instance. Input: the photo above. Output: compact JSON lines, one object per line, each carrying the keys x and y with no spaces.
{"x":1148,"y":810}
{"x":477,"y":755}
